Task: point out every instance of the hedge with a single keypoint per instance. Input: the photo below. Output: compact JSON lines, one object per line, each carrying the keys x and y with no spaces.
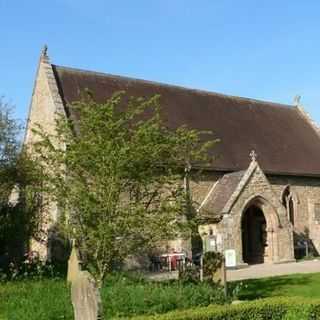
{"x":263,"y":309}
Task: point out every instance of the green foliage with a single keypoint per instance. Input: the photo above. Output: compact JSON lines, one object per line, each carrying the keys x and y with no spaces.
{"x":122,"y":296}
{"x":9,"y":147}
{"x":9,"y":132}
{"x":35,"y":300}
{"x":20,"y":188}
{"x":21,"y":219}
{"x":235,"y":289}
{"x":125,"y":295}
{"x":265,"y":309}
{"x":191,"y":274}
{"x":212,"y":261}
{"x":31,"y":268}
{"x":303,"y":285}
{"x":117,"y":176}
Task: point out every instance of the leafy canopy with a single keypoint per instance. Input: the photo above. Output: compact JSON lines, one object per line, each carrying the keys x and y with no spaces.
{"x":20,"y":183}
{"x":9,"y":147}
{"x":117,"y":176}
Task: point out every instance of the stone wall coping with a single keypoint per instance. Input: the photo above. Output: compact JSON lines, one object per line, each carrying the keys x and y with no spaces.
{"x":308,"y":118}
{"x":243,"y":182}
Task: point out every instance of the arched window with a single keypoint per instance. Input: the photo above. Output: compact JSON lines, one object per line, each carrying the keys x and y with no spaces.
{"x":288,"y":200}
{"x":290,"y":210}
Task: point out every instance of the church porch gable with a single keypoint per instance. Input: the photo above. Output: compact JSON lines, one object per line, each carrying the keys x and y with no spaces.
{"x":254,"y":222}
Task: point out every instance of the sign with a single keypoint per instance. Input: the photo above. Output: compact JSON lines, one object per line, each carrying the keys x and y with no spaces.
{"x":211,"y":245}
{"x":230,"y":256}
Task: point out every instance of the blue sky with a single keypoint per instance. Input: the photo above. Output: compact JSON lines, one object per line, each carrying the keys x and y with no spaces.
{"x":261,"y":49}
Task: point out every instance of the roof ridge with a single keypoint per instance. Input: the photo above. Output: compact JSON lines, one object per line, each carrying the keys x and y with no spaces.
{"x":180,"y":87}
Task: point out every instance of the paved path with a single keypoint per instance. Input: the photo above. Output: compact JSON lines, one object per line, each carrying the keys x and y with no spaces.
{"x":254,"y":271}
{"x":270,"y":270}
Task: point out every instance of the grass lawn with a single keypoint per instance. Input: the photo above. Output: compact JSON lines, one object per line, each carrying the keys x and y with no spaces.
{"x":46,"y":299}
{"x":123,"y":296}
{"x":296,"y":285}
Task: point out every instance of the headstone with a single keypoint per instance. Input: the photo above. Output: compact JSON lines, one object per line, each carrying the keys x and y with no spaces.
{"x":85,"y":297}
{"x":74,"y":264}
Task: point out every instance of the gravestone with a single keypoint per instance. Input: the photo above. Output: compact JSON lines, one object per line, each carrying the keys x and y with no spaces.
{"x":74,"y":265}
{"x":85,"y":295}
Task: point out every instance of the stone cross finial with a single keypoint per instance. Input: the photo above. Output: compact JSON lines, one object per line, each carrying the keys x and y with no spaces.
{"x":253,"y":155}
{"x":297,"y":100}
{"x":44,"y":52}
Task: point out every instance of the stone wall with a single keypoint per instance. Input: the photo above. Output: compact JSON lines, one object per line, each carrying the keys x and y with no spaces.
{"x":46,"y":105}
{"x":271,"y":187}
{"x":46,"y":102}
{"x":256,"y":189}
{"x":307,"y":191}
{"x":259,"y":192}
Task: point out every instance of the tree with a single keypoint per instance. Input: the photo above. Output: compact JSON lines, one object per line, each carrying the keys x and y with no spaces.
{"x":117,"y":176}
{"x":20,"y":183}
{"x":9,"y":147}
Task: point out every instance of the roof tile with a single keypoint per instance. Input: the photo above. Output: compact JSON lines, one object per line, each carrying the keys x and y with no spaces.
{"x":284,"y":140}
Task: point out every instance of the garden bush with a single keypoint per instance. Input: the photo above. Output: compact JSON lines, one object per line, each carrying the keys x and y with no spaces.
{"x":32,"y":268}
{"x":212,"y":261}
{"x":191,"y":274}
{"x":263,"y":309}
{"x":145,"y":297}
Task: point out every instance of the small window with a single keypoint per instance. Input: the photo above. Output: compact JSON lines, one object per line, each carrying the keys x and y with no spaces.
{"x":317,"y":212}
{"x":285,"y":196}
{"x":287,"y":201}
{"x":291,"y":211}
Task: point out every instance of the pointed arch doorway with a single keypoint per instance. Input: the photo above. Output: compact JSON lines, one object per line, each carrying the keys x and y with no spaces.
{"x":254,"y":235}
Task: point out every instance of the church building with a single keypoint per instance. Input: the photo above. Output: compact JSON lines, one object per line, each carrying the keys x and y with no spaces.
{"x":260,"y":197}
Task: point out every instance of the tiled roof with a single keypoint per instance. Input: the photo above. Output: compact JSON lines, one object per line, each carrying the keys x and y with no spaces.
{"x":221,"y":193}
{"x":286,"y":143}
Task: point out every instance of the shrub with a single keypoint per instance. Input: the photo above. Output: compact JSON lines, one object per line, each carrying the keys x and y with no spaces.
{"x":125,"y":296}
{"x":264,"y":309}
{"x":191,"y":274}
{"x":212,"y":261}
{"x":31,"y":267}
